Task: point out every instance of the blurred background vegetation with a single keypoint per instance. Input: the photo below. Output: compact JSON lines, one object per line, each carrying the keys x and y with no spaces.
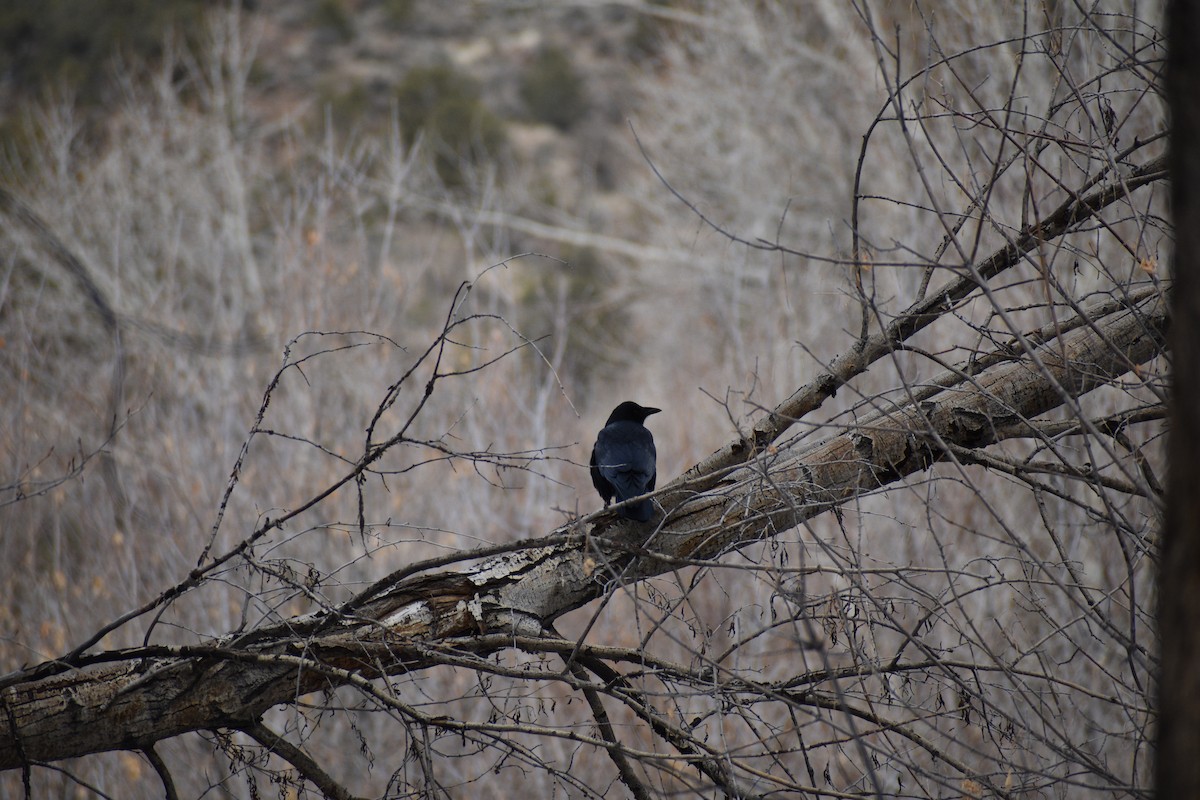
{"x":71,"y":47}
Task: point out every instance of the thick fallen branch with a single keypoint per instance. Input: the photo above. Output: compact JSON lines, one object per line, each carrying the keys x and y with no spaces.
{"x":917,"y":317}
{"x":132,"y":699}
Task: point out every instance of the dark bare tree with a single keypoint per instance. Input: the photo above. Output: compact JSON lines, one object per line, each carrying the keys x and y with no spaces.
{"x":1178,"y":699}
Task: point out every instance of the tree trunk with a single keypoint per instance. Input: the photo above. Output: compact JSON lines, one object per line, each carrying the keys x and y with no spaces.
{"x":1178,"y":768}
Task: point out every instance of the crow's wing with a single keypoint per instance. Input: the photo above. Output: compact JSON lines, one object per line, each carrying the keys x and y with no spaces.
{"x":624,"y":456}
{"x":603,"y":487}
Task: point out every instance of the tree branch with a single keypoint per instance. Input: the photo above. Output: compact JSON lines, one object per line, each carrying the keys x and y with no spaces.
{"x":157,"y":693}
{"x":604,"y":725}
{"x":917,"y":317}
{"x":164,"y":774}
{"x":308,"y":768}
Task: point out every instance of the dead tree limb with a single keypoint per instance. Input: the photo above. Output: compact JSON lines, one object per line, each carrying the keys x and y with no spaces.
{"x":132,"y":699}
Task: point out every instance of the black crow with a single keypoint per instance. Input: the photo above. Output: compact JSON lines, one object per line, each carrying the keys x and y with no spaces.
{"x":623,"y":459}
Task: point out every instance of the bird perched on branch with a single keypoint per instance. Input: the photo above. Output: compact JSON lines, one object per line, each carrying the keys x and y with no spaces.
{"x":623,"y":458}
